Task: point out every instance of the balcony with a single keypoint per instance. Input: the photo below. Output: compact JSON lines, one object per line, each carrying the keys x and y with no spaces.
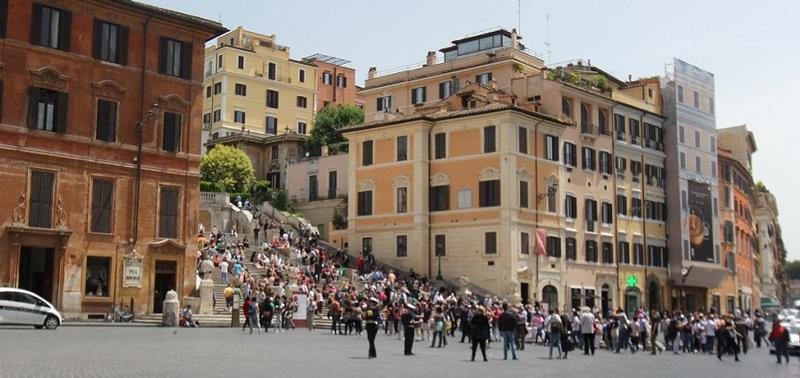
{"x":588,"y":131}
{"x":621,"y":136}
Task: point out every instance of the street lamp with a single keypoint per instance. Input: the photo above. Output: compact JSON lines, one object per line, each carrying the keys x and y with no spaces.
{"x":439,"y":250}
{"x":149,"y":115}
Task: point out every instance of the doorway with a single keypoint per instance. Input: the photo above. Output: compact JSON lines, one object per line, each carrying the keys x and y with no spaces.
{"x":163,"y":282}
{"x":632,"y":296}
{"x":523,"y":288}
{"x":605,"y":300}
{"x":36,"y":271}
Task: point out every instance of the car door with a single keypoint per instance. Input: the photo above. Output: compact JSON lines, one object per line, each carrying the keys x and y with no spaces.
{"x":29,"y":312}
{"x":9,"y":309}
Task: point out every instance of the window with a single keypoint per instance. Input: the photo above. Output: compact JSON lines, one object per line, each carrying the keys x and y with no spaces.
{"x":607,"y":213}
{"x":571,"y":207}
{"x":484,"y":78}
{"x":551,"y":147}
{"x":98,"y":276}
{"x":624,"y":249}
{"x":332,"y":184}
{"x":585,"y":125}
{"x":605,"y":163}
{"x":622,"y":205}
{"x":327,"y":78}
{"x":684,"y":200}
{"x":219,"y":61}
{"x":570,"y":249}
{"x":171,"y":137}
{"x":696,"y":99}
{"x":175,"y":58}
{"x":712,"y":144}
{"x":302,"y":128}
{"x":608,"y":253}
{"x":590,"y":209}
{"x":110,"y":42}
{"x":698,"y":164}
{"x":523,"y":140}
{"x":206,"y":119}
{"x":208,"y":91}
{"x":418,"y":95}
{"x":241,"y":89}
{"x":302,"y":102}
{"x":106,"y":121}
{"x":553,"y":246}
{"x":570,"y":155}
{"x":41,"y":199}
{"x":217,"y":115}
{"x":384,"y":103}
{"x":365,"y":203}
{"x":272,"y":99}
{"x":272,"y":69}
{"x":591,"y":251}
{"x":566,"y":107}
{"x":168,"y":214}
{"x":711,"y":105}
{"x":313,"y":188}
{"x":272,"y":125}
{"x":619,"y":125}
{"x":681,"y":134}
{"x":636,"y":207}
{"x":301,"y":76}
{"x":217,"y":88}
{"x":47,"y":110}
{"x":341,"y":81}
{"x":697,"y":138}
{"x":402,"y":200}
{"x":489,"y":193}
{"x":683,"y":160}
{"x":440,"y":146}
{"x":102,"y":205}
{"x":366,"y":153}
{"x":491,"y":243}
{"x":240,"y":62}
{"x":636,"y":170}
{"x":602,"y":128}
{"x":714,"y":168}
{"x":402,"y":148}
{"x":439,"y":198}
{"x":239,"y":116}
{"x":523,"y":194}
{"x":680,"y":93}
{"x":622,"y":166}
{"x":440,"y":247}
{"x":638,"y":254}
{"x":366,"y":245}
{"x":552,"y":194}
{"x":634,"y":125}
{"x":3,"y":17}
{"x":588,"y":159}
{"x":524,"y":243}
{"x":401,"y":246}
{"x":274,"y":152}
{"x":489,"y":140}
{"x":445,"y":89}
{"x":51,"y":27}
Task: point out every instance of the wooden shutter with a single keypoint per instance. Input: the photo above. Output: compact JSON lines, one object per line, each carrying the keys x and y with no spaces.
{"x":112,"y":121}
{"x":122,"y":46}
{"x":61,"y":112}
{"x":41,"y":199}
{"x":186,"y":60}
{"x":64,"y":30}
{"x":1,"y":99}
{"x":97,"y":39}
{"x":36,"y":25}
{"x":33,"y":101}
{"x":378,"y":104}
{"x":177,"y":132}
{"x":162,"y":54}
{"x":168,"y":214}
{"x":3,"y":17}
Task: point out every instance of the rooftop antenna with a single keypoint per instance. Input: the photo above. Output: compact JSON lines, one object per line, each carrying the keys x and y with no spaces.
{"x":547,"y":43}
{"x":519,"y":16}
{"x":220,"y":17}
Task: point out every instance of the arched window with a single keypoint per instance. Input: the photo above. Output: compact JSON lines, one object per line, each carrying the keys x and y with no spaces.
{"x":566,"y":107}
{"x":584,"y":118}
{"x":601,"y":123}
{"x":550,"y":297}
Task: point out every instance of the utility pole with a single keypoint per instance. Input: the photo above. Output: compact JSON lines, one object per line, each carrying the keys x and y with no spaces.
{"x":547,"y":43}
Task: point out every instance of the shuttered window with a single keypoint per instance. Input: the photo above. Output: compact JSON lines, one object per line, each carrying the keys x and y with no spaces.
{"x":172,"y":132}
{"x":106,"y":120}
{"x":51,"y":27}
{"x":41,"y":202}
{"x":175,"y":58}
{"x":47,"y":110}
{"x":102,"y":205}
{"x":110,"y":42}
{"x":3,"y":17}
{"x":168,"y":214}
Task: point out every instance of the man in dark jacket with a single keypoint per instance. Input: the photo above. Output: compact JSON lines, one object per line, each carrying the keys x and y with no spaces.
{"x":507,"y":324}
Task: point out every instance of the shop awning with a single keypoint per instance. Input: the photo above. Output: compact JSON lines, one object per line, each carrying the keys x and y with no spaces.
{"x":708,"y":276}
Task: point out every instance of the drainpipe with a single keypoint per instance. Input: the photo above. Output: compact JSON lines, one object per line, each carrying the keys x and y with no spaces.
{"x":139,"y":136}
{"x":430,"y":216}
{"x":536,"y":191}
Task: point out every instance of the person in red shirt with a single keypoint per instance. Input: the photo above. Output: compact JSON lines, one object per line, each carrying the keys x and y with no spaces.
{"x":780,"y":337}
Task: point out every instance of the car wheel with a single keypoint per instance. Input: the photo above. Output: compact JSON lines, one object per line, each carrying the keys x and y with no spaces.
{"x":51,"y":322}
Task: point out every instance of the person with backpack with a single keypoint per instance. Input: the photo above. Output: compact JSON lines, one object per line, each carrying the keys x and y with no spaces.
{"x":252,"y":311}
{"x":555,"y":327}
{"x":507,"y":323}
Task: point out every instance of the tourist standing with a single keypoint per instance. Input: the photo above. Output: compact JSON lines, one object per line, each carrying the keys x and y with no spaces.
{"x":252,"y":311}
{"x":408,"y":319}
{"x":372,"y":316}
{"x":507,"y":323}
{"x":555,"y":328}
{"x":587,"y":329}
{"x":780,"y":337}
{"x":479,"y":327}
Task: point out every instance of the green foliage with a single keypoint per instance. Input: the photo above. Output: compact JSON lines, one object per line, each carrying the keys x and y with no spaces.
{"x":793,"y":269}
{"x":518,"y":67}
{"x":328,"y":122}
{"x":206,"y":186}
{"x":574,"y":78}
{"x":228,"y":167}
{"x":281,"y":200}
{"x":601,"y":82}
{"x":760,"y":187}
{"x":339,"y":221}
{"x":260,"y":192}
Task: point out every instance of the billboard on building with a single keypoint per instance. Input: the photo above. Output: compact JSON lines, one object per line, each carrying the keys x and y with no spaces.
{"x":701,"y":221}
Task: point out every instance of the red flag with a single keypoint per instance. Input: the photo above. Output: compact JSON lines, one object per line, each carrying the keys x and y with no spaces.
{"x":540,"y":248}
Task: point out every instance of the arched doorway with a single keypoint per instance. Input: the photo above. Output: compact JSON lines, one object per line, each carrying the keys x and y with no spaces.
{"x":550,"y":297}
{"x":605,"y":299}
{"x":654,"y":296}
{"x":633,"y":300}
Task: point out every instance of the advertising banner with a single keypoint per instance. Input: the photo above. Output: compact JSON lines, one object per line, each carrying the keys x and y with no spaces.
{"x":701,"y":222}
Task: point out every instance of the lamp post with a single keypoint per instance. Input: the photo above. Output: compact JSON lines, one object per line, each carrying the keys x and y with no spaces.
{"x":439,"y":272}
{"x":149,"y":115}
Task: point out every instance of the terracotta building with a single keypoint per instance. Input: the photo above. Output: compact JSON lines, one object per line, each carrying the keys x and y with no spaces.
{"x":80,"y":81}
{"x":336,"y":83}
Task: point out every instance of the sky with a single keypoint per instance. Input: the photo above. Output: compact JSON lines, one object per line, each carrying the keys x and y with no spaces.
{"x":751,"y":47}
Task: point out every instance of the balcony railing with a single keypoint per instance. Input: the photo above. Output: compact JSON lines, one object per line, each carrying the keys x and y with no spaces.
{"x":588,"y":129}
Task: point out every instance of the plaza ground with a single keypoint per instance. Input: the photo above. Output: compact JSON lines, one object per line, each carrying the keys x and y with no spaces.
{"x":206,"y":352}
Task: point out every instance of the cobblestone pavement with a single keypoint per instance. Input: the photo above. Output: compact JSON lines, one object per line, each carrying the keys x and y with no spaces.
{"x":219,"y":352}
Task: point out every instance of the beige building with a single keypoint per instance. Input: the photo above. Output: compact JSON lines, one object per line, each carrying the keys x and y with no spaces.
{"x":252,"y":85}
{"x":317,"y":186}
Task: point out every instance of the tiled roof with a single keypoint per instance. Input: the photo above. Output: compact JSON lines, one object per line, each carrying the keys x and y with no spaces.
{"x":214,"y":26}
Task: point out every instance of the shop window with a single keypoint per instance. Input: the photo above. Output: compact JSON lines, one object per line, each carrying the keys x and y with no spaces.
{"x":97,"y":276}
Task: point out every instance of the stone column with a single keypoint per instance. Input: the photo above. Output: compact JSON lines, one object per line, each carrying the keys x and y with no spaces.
{"x":171,"y":310}
{"x":206,"y":297}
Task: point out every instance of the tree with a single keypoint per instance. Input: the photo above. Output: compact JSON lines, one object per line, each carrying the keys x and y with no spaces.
{"x":328,"y":122}
{"x":281,"y":200}
{"x":229,"y":167}
{"x":793,"y":270}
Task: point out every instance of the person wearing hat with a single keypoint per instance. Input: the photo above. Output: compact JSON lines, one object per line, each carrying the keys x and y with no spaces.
{"x":371,"y":316}
{"x":409,"y":320}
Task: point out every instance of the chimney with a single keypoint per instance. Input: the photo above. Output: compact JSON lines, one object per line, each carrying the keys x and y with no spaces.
{"x":629,"y":77}
{"x":514,"y":40}
{"x":371,"y":73}
{"x":431,"y":58}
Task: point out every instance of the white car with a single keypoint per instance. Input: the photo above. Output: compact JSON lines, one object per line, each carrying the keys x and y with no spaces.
{"x":21,"y":307}
{"x":794,"y":337}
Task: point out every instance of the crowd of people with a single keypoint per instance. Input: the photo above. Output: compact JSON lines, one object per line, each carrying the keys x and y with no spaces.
{"x":371,"y":297}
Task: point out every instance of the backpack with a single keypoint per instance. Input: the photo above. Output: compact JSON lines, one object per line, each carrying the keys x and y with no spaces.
{"x":252,"y":309}
{"x":556,"y":327}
